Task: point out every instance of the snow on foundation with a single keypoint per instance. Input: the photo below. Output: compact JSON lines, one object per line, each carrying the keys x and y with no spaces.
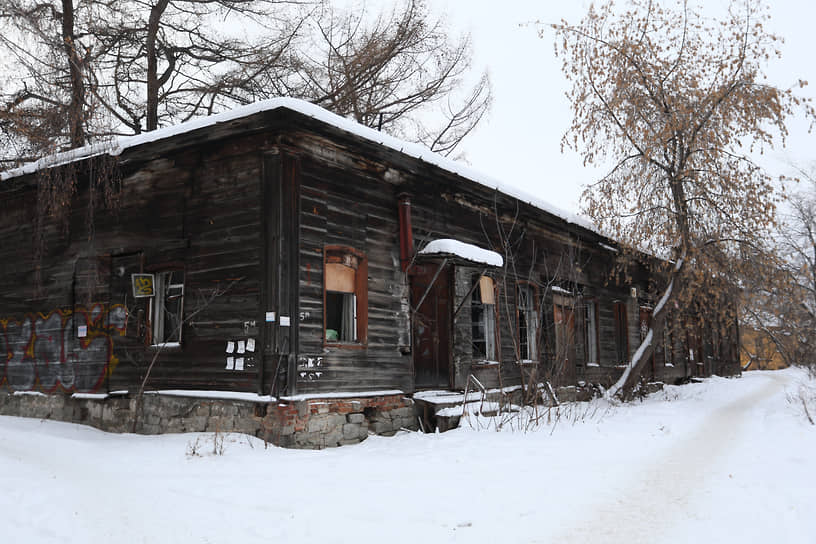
{"x":216,"y":395}
{"x":469,"y":252}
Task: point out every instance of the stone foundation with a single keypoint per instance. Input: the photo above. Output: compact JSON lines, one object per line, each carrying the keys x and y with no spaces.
{"x":313,"y":423}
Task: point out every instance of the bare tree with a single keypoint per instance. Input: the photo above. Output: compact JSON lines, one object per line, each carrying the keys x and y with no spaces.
{"x":169,"y":60}
{"x":142,"y":64}
{"x":392,"y":71}
{"x":677,"y":102}
{"x":44,"y":106}
{"x":781,"y":308}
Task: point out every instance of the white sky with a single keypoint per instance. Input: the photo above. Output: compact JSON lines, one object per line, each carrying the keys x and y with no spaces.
{"x":519,"y":144}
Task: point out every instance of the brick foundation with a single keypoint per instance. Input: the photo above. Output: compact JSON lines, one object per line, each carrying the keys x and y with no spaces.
{"x":325,"y":423}
{"x":313,"y":424}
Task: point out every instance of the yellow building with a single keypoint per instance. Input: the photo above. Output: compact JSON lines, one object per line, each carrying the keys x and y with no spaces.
{"x":756,"y":346}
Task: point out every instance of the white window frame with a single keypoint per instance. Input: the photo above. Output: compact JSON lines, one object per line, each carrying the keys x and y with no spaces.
{"x":487,"y":319}
{"x":158,"y":304}
{"x":527,"y":307}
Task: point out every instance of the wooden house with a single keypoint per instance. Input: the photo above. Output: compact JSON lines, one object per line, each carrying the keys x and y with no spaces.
{"x":281,"y":250}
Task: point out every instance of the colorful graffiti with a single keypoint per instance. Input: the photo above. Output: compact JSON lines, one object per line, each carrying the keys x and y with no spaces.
{"x":70,"y":350}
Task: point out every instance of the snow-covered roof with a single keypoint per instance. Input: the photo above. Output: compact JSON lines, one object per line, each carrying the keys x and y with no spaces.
{"x":117,"y":145}
{"x":469,"y":252}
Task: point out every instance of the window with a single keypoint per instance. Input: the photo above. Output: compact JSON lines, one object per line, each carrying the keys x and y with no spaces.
{"x":668,"y":341}
{"x":591,"y":332}
{"x":166,"y":308}
{"x":564,"y":321}
{"x":527,"y":322}
{"x":345,"y":296}
{"x":621,"y":333}
{"x":483,"y":317}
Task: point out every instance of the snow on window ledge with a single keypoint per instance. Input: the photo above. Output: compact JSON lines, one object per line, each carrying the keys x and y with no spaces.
{"x":485,"y":362}
{"x":167,"y":345}
{"x":558,"y":289}
{"x":343,"y":395}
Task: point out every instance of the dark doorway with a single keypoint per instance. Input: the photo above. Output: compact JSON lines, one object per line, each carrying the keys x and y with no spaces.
{"x":431,"y":325}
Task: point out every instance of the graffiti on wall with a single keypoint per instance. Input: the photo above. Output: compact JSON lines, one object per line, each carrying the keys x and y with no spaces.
{"x":70,"y":350}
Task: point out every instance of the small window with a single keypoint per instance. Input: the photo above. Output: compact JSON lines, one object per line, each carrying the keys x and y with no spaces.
{"x":591,"y":332}
{"x":483,"y":318}
{"x":167,"y":307}
{"x":345,"y":296}
{"x":621,"y":333}
{"x":527,"y":321}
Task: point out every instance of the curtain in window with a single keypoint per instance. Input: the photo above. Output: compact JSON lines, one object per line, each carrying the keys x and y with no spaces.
{"x":348,"y":328}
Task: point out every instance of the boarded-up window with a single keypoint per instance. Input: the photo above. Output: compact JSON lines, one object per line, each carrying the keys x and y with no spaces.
{"x":345,"y":296}
{"x":483,"y":317}
{"x":564,"y":321}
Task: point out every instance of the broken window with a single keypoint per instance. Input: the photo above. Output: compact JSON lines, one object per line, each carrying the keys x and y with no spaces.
{"x":527,"y":321}
{"x":483,"y":317}
{"x":345,"y":296}
{"x":621,"y":333}
{"x":591,"y":332}
{"x":166,"y":307}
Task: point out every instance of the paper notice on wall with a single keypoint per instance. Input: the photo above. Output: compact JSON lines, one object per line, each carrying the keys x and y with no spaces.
{"x":241,"y":346}
{"x":230,"y":347}
{"x":270,"y":317}
{"x":250,"y":345}
{"x":230,"y":363}
{"x":82,"y":331}
{"x":239,"y":363}
{"x":284,"y":321}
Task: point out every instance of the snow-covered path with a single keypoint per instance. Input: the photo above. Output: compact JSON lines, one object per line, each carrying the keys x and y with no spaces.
{"x":720,"y":461}
{"x":665,"y":492}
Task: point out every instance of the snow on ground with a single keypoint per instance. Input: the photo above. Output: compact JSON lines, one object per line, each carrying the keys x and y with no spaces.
{"x":720,"y":461}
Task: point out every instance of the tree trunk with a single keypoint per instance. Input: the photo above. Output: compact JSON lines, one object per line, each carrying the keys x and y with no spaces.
{"x":626,"y":383}
{"x":156,"y":13}
{"x":76,"y":124}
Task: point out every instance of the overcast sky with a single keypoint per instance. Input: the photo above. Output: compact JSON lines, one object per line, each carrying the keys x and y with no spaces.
{"x":519,"y":143}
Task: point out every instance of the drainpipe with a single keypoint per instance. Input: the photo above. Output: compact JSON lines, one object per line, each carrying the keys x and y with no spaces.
{"x":406,"y":236}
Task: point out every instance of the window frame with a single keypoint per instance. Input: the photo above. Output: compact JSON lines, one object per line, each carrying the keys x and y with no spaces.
{"x":535,"y":311}
{"x":564,"y":334}
{"x":590,"y":339}
{"x":495,"y":313}
{"x":158,"y":303}
{"x":360,"y":295}
{"x":669,"y":353}
{"x":620,"y":320}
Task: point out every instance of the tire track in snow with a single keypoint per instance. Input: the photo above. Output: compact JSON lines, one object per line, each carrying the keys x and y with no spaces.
{"x":662,"y":493}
